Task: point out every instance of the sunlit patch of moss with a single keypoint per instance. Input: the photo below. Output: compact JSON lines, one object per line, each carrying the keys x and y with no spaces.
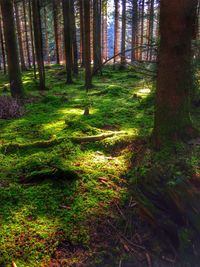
{"x":39,"y":215}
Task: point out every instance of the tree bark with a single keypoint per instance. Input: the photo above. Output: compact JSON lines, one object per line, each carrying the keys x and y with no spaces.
{"x":55,"y":19}
{"x":172,"y":112}
{"x":32,"y":41}
{"x":38,"y":42}
{"x":82,"y":30}
{"x":26,"y":33}
{"x":68,"y":38}
{"x":48,"y":59}
{"x":97,"y":34}
{"x":74,"y":40}
{"x":2,"y":46}
{"x":88,"y":74}
{"x":116,"y":30}
{"x":123,"y":42}
{"x":134,"y":29}
{"x":11,"y":49}
{"x":19,"y":34}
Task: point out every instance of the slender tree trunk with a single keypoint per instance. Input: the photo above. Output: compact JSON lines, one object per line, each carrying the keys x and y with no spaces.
{"x":68,"y":38}
{"x":2,"y":47}
{"x":97,"y":34}
{"x":172,"y":114}
{"x":46,"y":36}
{"x":151,"y":29}
{"x":134,"y":28}
{"x":26,"y":33}
{"x":104,"y":31}
{"x":82,"y":30}
{"x":32,"y":41}
{"x":19,"y":34}
{"x":123,"y":42}
{"x":38,"y":42}
{"x":142,"y":29}
{"x":88,"y":76}
{"x":74,"y":40}
{"x":55,"y":19}
{"x":11,"y":49}
{"x":116,"y":30}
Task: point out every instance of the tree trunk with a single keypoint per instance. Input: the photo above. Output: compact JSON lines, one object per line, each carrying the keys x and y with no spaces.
{"x":134,"y":28}
{"x":82,"y":30}
{"x":26,"y":33}
{"x":11,"y":49}
{"x":116,"y":30}
{"x":104,"y":31}
{"x":38,"y":42}
{"x":123,"y":43}
{"x":55,"y":19}
{"x":172,"y":115}
{"x":48,"y":60}
{"x":74,"y":41}
{"x":97,"y":34}
{"x":142,"y":30}
{"x":2,"y":46}
{"x":88,"y":76}
{"x":32,"y":42}
{"x":68,"y":38}
{"x":19,"y":34}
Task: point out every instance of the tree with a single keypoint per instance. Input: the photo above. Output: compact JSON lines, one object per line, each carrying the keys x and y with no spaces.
{"x":97,"y":34}
{"x":68,"y":37}
{"x":19,"y":34}
{"x":2,"y":46}
{"x":134,"y":28}
{"x":55,"y":19}
{"x":104,"y":31}
{"x":172,"y":110}
{"x":82,"y":30}
{"x":38,"y":42}
{"x":74,"y":40}
{"x":123,"y":41}
{"x":116,"y":30}
{"x":26,"y":34}
{"x":31,"y":35}
{"x":11,"y":49}
{"x":88,"y":76}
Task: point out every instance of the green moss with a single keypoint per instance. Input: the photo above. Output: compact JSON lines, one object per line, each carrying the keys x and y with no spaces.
{"x":35,"y":217}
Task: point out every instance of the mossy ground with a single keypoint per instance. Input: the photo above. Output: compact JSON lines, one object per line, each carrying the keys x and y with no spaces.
{"x":35,"y":218}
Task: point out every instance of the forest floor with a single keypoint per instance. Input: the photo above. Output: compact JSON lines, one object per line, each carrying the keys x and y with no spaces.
{"x":68,"y":200}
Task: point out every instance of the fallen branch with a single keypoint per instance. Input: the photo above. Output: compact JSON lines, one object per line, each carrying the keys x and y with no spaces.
{"x":37,"y":144}
{"x":12,"y":147}
{"x":94,"y":138}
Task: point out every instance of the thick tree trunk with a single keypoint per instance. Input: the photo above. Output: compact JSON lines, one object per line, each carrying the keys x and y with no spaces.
{"x":88,"y":76}
{"x":11,"y":48}
{"x":116,"y":30}
{"x":19,"y":34}
{"x":123,"y":42}
{"x":68,"y":38}
{"x":38,"y":42}
{"x":55,"y":19}
{"x":97,"y":34}
{"x":172,"y":115}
